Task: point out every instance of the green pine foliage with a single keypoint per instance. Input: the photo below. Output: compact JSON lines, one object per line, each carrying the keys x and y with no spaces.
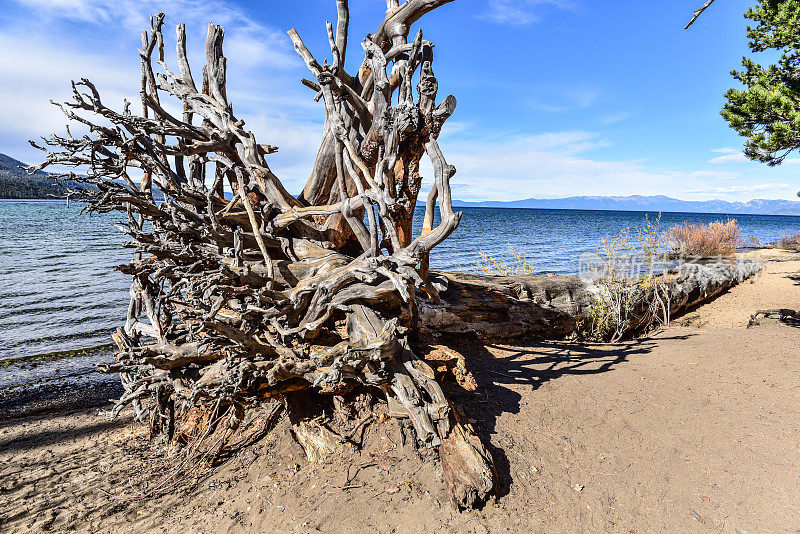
{"x":767,"y":110}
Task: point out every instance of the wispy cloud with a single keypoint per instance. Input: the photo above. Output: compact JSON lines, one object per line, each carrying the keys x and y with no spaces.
{"x":560,"y":164}
{"x":728,"y":155}
{"x":729,"y":158}
{"x":135,"y":14}
{"x":522,"y":12}
{"x":250,"y":42}
{"x":501,"y":165}
{"x":556,"y":100}
{"x":613,"y":118}
{"x":37,"y":70}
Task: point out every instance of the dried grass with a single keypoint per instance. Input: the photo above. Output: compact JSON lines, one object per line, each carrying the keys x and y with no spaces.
{"x":491,"y":266}
{"x":713,"y":239}
{"x":624,"y":290}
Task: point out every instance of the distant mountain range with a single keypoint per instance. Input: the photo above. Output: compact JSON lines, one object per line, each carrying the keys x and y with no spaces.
{"x":646,"y":203}
{"x":16,"y":183}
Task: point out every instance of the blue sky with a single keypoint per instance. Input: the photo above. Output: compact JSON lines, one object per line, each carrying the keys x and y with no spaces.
{"x":555,"y":97}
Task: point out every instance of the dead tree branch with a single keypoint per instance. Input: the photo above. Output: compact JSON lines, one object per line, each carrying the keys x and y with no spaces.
{"x":698,"y":12}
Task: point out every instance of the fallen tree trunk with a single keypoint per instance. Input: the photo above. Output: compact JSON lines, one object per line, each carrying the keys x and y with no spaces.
{"x":498,"y":308}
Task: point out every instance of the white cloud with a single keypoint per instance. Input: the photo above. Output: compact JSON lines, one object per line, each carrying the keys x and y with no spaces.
{"x":37,"y":70}
{"x":135,"y":14}
{"x":729,"y":155}
{"x":495,"y":166}
{"x":522,"y":12}
{"x":560,"y":164}
{"x":35,"y":73}
{"x":778,"y":189}
{"x":730,"y":158}
{"x":251,"y":43}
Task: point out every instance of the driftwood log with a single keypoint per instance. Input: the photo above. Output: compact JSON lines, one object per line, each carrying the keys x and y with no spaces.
{"x":238,"y":300}
{"x":503,"y":308}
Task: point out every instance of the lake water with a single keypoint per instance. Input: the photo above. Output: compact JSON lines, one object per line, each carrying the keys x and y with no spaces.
{"x":59,"y":290}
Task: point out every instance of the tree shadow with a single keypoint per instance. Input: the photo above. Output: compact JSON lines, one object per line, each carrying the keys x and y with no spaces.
{"x":791,"y":321}
{"x":41,"y":400}
{"x":500,"y":371}
{"x":54,"y":437}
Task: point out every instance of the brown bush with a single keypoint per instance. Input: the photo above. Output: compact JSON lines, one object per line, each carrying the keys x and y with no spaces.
{"x":713,"y":239}
{"x":789,"y":241}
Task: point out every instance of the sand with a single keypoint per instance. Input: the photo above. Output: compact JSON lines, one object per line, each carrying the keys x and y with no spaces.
{"x":694,"y":429}
{"x":778,"y":286}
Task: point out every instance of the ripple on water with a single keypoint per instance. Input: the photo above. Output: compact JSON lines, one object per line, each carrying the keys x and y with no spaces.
{"x":63,"y":293}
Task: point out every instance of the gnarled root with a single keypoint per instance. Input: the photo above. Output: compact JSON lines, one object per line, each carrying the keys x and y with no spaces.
{"x":467,"y":466}
{"x":237,"y":302}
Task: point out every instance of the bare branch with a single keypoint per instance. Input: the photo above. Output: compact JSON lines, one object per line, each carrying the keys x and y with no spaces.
{"x":698,"y":12}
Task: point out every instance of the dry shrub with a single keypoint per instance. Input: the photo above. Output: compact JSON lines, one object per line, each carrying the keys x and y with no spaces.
{"x":714,"y":239}
{"x":630,"y":291}
{"x":751,"y":241}
{"x":491,"y":266}
{"x":789,"y":241}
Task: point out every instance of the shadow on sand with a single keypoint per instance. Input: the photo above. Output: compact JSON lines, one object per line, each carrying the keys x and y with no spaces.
{"x":499,"y":371}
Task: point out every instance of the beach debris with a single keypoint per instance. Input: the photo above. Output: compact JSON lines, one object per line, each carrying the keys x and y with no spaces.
{"x":785,"y":315}
{"x":244,"y":295}
{"x":697,"y":516}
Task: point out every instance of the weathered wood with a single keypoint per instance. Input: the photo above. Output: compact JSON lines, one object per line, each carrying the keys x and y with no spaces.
{"x":497,"y":308}
{"x":504,"y":307}
{"x":234,"y":303}
{"x":698,"y":12}
{"x":467,"y":466}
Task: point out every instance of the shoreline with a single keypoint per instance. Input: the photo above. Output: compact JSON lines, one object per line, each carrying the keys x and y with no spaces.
{"x":54,"y":398}
{"x":87,"y":388}
{"x":54,"y":382}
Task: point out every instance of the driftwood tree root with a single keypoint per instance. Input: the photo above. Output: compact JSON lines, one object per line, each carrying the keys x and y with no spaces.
{"x":236,"y":301}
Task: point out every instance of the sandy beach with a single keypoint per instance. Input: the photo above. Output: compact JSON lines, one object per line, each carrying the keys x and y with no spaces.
{"x":693,"y":429}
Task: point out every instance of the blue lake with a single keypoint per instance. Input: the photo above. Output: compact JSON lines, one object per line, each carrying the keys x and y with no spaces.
{"x":59,"y":290}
